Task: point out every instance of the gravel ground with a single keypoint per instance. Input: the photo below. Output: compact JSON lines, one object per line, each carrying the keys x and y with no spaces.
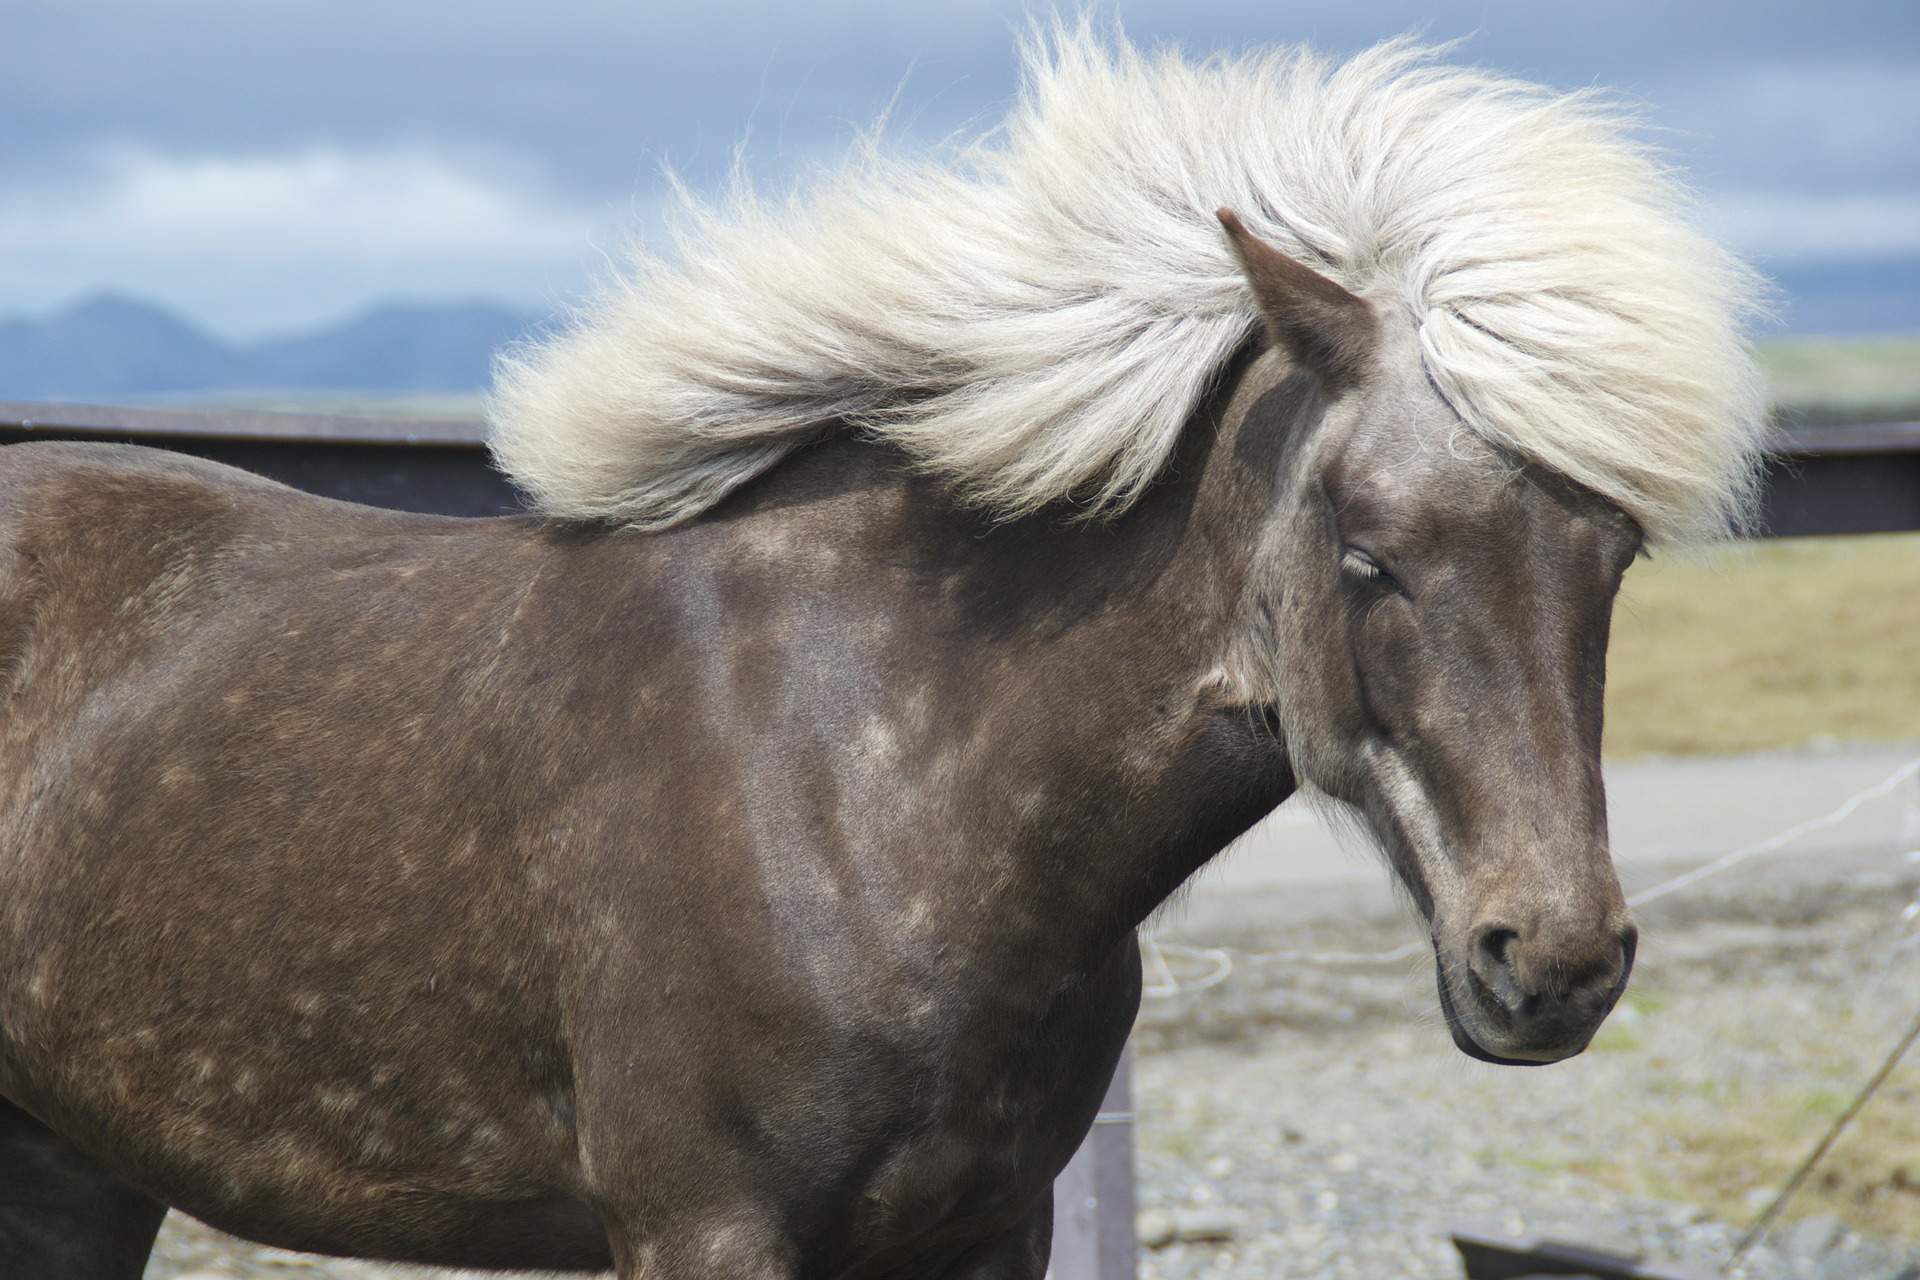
{"x":1323,"y":1113}
{"x":1318,"y":1122}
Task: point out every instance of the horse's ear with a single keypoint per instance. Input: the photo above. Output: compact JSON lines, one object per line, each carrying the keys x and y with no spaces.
{"x":1327,"y":329}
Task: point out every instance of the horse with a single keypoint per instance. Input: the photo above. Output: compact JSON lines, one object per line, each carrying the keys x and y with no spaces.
{"x":732,"y":867}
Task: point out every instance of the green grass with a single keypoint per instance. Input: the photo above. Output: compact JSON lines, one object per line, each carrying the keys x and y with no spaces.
{"x":1520,"y":1159}
{"x":1728,"y":1140}
{"x":1726,"y":1157}
{"x":1617,"y":1037}
{"x":1838,"y":380}
{"x":1767,"y":645}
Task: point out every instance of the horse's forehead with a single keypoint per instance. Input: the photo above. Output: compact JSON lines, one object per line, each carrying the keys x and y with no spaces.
{"x":1423,"y":482}
{"x":1404,"y":445}
{"x":1402,"y":450}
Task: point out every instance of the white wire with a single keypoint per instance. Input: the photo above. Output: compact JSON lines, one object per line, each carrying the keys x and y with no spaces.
{"x":1165,"y":984}
{"x":1168,"y":985}
{"x":1786,"y":837}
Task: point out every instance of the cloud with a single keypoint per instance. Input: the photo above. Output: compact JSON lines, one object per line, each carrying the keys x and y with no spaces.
{"x":218,"y":202}
{"x":1845,"y":126}
{"x":323,"y":203}
{"x":259,"y":242}
{"x":1780,"y":226}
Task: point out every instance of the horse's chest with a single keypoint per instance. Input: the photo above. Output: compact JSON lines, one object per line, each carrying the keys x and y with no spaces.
{"x":978,"y":1167}
{"x":967,"y":1185}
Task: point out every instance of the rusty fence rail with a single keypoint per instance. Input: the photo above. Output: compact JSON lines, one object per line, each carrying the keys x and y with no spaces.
{"x":1826,"y":480}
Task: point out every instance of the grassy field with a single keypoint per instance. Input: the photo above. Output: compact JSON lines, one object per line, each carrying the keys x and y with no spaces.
{"x":1768,"y":645}
{"x":1724,"y":1129}
{"x":1836,"y":380}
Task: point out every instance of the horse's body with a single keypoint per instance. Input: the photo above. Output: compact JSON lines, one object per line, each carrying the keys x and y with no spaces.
{"x":756,"y":897}
{"x":382,"y":883}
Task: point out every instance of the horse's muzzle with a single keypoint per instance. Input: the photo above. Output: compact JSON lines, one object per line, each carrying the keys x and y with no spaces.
{"x":1499,"y":1011}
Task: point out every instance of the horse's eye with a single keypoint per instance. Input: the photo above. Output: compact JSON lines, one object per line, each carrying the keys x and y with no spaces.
{"x":1356,"y":563}
{"x":1361,"y":570}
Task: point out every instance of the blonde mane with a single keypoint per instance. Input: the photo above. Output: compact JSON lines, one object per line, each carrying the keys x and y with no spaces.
{"x":1035,"y":315}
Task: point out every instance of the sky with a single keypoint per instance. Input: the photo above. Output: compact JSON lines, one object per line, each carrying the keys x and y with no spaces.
{"x":263,"y":166}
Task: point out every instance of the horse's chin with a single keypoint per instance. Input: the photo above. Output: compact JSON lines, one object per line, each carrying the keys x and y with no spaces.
{"x":1465,"y":1042}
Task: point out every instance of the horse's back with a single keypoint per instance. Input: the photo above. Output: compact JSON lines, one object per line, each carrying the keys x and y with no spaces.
{"x":243,"y":851}
{"x":65,"y":480}
{"x":65,"y":499}
{"x":156,"y":608}
{"x":111,"y":548}
{"x":81,"y":525}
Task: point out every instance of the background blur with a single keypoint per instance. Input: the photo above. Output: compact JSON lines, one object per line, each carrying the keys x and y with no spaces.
{"x":208,"y":194}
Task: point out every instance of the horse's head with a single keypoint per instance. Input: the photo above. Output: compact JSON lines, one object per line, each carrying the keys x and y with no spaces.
{"x":1432,"y":614}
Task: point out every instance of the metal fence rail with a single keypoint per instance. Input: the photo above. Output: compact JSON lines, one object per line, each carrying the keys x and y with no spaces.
{"x":1843,"y":480}
{"x":1818,"y":480}
{"x":407,"y":464}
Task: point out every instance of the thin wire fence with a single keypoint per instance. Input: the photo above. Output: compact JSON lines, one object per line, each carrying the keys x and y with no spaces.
{"x":1218,"y":963}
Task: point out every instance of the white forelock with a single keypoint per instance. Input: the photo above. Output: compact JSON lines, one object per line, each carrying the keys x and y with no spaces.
{"x":1035,"y":315}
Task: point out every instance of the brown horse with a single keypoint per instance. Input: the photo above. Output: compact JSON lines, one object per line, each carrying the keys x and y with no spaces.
{"x":754,"y":895}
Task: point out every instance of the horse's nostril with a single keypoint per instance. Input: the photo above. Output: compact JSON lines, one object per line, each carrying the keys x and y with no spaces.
{"x":1498,"y":945}
{"x":1496,"y":961}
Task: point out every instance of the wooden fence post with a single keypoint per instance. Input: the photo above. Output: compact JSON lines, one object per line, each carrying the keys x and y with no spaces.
{"x":1093,"y":1196}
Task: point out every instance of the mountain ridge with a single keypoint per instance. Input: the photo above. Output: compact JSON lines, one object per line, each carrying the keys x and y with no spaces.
{"x":109,"y":344}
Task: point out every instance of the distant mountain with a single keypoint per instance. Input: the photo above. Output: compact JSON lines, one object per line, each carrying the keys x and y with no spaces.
{"x":114,"y":346}
{"x":400,"y":347}
{"x":107,"y":345}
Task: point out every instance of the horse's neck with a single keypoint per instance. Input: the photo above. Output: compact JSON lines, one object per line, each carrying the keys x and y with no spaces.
{"x":1058,"y":741}
{"x":1154,"y":757}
